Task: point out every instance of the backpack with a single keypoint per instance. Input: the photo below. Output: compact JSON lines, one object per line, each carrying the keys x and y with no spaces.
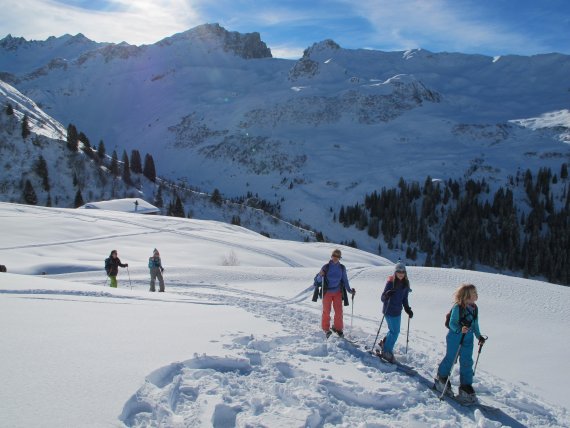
{"x":461,"y":314}
{"x":342,"y":289}
{"x":108,"y":265}
{"x":321,"y":287}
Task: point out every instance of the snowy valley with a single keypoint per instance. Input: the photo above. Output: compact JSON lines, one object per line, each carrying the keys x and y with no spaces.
{"x":305,"y":139}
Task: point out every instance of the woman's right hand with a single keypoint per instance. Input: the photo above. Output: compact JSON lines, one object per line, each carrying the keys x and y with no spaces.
{"x":464,"y":329}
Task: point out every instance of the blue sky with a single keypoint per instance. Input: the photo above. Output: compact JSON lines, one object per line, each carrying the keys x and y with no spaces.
{"x":490,"y":27}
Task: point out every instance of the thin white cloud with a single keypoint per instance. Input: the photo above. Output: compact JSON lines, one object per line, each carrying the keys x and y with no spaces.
{"x":419,"y":23}
{"x":137,"y":22}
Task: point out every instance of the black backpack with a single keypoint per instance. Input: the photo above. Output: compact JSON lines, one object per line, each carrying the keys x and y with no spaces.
{"x":108,"y":265}
{"x":461,"y":315}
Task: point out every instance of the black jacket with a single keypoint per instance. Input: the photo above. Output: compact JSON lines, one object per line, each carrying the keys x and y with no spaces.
{"x":114,"y":264}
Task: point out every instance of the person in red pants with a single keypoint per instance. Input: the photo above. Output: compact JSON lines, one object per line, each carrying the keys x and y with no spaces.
{"x":335,"y":289}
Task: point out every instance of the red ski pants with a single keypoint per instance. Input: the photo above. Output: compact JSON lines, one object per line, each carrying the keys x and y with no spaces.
{"x":335,"y":300}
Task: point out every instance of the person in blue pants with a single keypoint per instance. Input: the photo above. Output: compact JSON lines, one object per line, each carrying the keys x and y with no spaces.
{"x":394,"y":297}
{"x":463,"y":328}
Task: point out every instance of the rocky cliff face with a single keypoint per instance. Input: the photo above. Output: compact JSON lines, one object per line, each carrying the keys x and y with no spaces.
{"x":247,"y":45}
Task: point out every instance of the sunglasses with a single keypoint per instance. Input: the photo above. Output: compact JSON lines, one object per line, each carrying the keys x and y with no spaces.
{"x":400,"y":271}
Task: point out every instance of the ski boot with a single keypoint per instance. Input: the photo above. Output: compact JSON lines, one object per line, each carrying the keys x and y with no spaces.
{"x":440,"y":384}
{"x":466,"y":395}
{"x":388,"y":356}
{"x":381,"y":346}
{"x":339,"y":332}
{"x":328,"y":333}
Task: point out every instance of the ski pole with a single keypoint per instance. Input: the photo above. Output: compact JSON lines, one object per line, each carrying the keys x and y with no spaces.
{"x":453,"y":365}
{"x":479,"y":353}
{"x":408,"y":334}
{"x":131,"y":284}
{"x":381,"y":322}
{"x":352,"y":314}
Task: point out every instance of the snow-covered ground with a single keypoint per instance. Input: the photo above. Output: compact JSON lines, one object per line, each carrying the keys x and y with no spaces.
{"x":235,"y":339}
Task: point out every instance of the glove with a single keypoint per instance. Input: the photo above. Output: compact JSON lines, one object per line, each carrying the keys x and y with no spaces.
{"x":482,"y":340}
{"x":409,"y":312}
{"x":353,"y":291}
{"x":162,"y":269}
{"x":389,"y":294}
{"x":126,"y":265}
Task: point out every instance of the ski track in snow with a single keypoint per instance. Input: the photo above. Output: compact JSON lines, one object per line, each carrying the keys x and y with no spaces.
{"x":173,"y":228}
{"x":285,"y":381}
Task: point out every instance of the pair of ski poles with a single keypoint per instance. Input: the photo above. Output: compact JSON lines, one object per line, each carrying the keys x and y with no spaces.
{"x":128,"y":273}
{"x":481,"y":343}
{"x":380,"y":327}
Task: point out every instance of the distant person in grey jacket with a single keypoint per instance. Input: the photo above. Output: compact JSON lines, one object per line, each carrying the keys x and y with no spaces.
{"x":156,"y":269}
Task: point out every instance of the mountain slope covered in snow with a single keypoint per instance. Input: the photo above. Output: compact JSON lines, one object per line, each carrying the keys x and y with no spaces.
{"x":309,"y":136}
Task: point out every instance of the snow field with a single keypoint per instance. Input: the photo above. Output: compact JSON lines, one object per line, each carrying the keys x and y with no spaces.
{"x":241,"y":345}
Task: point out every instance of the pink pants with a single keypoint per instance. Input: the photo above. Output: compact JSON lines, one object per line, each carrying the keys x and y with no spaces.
{"x":334,"y":299}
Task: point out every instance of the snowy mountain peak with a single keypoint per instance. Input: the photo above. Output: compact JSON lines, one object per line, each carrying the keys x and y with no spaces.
{"x":11,"y":43}
{"x":308,"y":65}
{"x":18,"y":55}
{"x":326,"y":45}
{"x":247,"y":45}
{"x":77,"y":39}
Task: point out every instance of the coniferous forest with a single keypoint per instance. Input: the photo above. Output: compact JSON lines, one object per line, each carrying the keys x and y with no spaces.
{"x":462,"y":223}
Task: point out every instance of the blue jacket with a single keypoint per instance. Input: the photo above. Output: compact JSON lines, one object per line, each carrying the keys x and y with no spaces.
{"x":393,"y":305}
{"x":468,"y":319}
{"x":154,"y":262}
{"x":335,"y":276}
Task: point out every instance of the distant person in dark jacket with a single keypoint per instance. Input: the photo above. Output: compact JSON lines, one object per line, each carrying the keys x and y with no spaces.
{"x":156,"y":269}
{"x":112,"y":264}
{"x":3,"y":268}
{"x":395,"y":297}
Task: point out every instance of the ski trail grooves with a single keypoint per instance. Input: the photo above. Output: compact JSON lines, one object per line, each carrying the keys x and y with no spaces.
{"x":285,"y":380}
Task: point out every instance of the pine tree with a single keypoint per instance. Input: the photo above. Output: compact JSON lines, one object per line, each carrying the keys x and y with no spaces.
{"x":158,"y":202}
{"x":9,"y":110}
{"x":101,"y":151}
{"x":564,"y":171}
{"x":149,"y":171}
{"x":42,"y":170}
{"x":114,"y":164}
{"x":72,"y":138}
{"x":86,"y":144}
{"x":178,"y":209}
{"x":126,"y":168}
{"x":216,"y":197}
{"x":25,"y":128}
{"x":136,"y":165}
{"x":78,"y":199}
{"x":29,"y":194}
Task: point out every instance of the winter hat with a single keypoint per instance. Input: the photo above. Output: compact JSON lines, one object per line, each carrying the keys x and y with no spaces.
{"x":155,"y":252}
{"x":400,"y":267}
